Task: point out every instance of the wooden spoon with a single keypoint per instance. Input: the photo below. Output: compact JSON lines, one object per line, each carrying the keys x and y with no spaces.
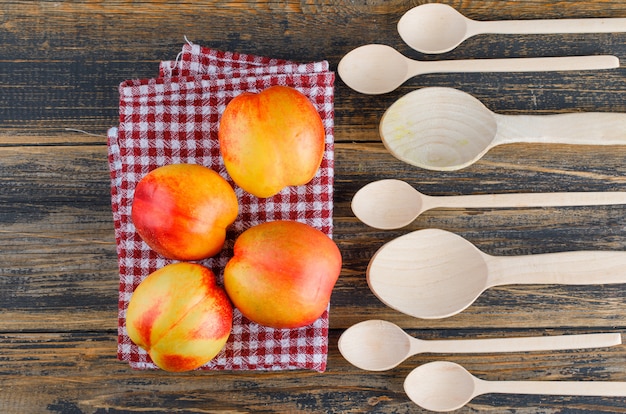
{"x":392,"y":204}
{"x":446,"y":386}
{"x":445,"y":129}
{"x":439,"y":28}
{"x":375,"y":69}
{"x":433,"y":273}
{"x":377,"y":345}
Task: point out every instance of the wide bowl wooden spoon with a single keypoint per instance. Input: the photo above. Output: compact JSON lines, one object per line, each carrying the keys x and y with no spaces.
{"x":433,"y":273}
{"x":445,"y":129}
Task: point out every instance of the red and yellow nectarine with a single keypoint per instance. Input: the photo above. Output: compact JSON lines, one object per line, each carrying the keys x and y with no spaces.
{"x":180,"y":316}
{"x":282,"y":273}
{"x":182,"y":211}
{"x":271,"y":140}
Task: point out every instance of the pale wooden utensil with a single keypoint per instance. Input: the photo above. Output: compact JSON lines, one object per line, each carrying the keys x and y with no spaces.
{"x":445,"y":129}
{"x":377,"y":345}
{"x":375,"y":69}
{"x":439,"y":28}
{"x":446,"y":386}
{"x":433,"y":273}
{"x":392,"y":204}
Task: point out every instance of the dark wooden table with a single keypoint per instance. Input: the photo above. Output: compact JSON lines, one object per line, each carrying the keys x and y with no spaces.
{"x":60,"y":65}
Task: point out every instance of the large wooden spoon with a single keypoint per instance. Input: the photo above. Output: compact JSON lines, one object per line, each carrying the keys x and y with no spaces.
{"x":375,"y":69}
{"x":446,"y":386}
{"x":445,"y":129}
{"x":439,"y":28}
{"x":377,"y":345}
{"x":433,"y":273}
{"x":392,"y":204}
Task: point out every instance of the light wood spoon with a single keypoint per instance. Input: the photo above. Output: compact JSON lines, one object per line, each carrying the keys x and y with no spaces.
{"x":446,"y":129}
{"x":433,"y":273}
{"x":392,"y":204}
{"x":376,"y":69}
{"x":439,"y":28}
{"x":377,"y":345}
{"x":446,"y":386}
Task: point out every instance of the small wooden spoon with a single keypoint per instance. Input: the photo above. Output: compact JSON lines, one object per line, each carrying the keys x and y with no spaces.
{"x":446,"y":386}
{"x":392,"y":204}
{"x":377,"y":345}
{"x":375,"y":69}
{"x":433,"y":273}
{"x":445,"y":129}
{"x":439,"y":28}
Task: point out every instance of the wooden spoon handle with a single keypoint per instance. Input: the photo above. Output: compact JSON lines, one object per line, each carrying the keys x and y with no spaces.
{"x":540,"y":64}
{"x":568,"y":268}
{"x":546,"y":26}
{"x":525,"y":344}
{"x":587,"y":128}
{"x":531,"y":199}
{"x":589,"y":388}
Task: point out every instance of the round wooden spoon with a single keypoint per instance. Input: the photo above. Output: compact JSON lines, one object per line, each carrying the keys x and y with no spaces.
{"x":377,"y":345}
{"x":446,"y":386}
{"x":445,"y":129}
{"x":433,"y":273}
{"x":392,"y":204}
{"x":439,"y":28}
{"x":375,"y":69}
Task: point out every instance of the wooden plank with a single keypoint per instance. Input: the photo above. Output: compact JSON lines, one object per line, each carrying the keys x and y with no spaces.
{"x":68,"y":77}
{"x":60,"y":67}
{"x":497,"y":232}
{"x":58,"y":267}
{"x":59,"y":255}
{"x":78,"y":372}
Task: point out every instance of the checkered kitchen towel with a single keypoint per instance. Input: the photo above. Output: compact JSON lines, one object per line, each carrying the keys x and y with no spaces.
{"x":174,"y":119}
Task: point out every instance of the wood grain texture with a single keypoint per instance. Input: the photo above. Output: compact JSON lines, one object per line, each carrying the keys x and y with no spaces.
{"x":60,"y":66}
{"x":77,"y":372}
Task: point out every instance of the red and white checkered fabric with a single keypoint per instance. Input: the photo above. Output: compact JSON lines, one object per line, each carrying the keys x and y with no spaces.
{"x":174,"y":119}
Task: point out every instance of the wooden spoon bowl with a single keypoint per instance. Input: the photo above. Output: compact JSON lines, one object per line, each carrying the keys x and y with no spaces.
{"x":445,"y":129}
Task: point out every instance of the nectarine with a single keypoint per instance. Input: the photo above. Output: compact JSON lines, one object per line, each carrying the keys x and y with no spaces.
{"x":180,"y":316}
{"x":271,"y":140}
{"x":282,"y":273}
{"x":182,"y":211}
